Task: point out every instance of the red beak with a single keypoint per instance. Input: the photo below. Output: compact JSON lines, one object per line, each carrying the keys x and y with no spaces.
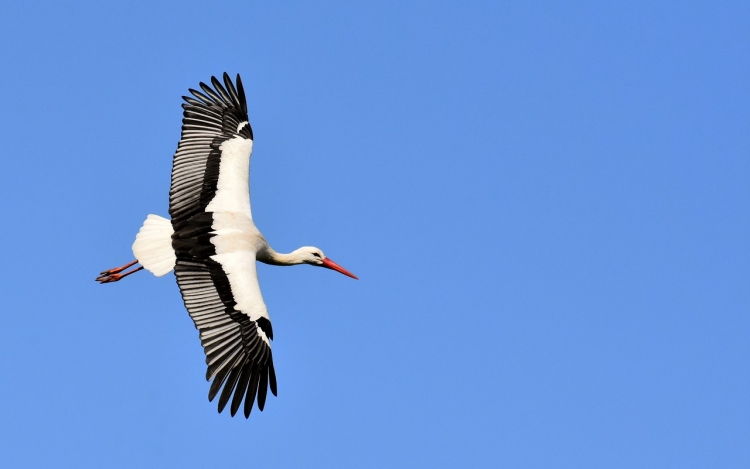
{"x":328,"y":263}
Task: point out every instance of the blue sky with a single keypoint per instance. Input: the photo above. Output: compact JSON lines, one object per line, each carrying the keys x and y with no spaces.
{"x":547,"y":205}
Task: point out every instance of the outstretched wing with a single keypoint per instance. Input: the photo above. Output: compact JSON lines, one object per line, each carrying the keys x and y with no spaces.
{"x":209,"y":203}
{"x":216,"y":135}
{"x":238,"y":349}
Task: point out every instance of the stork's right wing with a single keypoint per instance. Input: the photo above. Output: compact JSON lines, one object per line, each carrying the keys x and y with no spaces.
{"x":211,"y":122}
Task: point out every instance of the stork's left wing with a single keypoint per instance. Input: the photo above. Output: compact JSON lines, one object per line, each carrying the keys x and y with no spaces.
{"x":221,"y":293}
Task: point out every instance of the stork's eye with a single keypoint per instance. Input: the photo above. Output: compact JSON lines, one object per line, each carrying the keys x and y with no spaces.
{"x":316,"y":255}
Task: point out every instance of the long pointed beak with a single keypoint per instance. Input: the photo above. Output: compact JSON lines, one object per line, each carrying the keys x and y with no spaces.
{"x":328,"y":263}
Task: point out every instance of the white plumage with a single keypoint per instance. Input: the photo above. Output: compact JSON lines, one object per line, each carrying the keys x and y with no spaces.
{"x":153,"y":246}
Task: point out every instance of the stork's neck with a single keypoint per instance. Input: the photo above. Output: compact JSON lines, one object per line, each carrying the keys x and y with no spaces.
{"x":269,"y":256}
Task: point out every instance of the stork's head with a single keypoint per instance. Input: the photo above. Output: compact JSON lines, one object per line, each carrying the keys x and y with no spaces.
{"x":314,"y":256}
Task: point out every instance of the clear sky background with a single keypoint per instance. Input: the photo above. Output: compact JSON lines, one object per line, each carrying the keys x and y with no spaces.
{"x":548,"y":207}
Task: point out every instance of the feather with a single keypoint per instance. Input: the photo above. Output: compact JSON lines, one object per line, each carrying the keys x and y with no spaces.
{"x":229,"y":387}
{"x":221,"y":91}
{"x":218,"y":381}
{"x":251,"y":390}
{"x":215,"y":97}
{"x":205,"y":99}
{"x":241,"y":92}
{"x":262,"y":387}
{"x":239,"y":393}
{"x":230,"y":89}
{"x":272,"y":376}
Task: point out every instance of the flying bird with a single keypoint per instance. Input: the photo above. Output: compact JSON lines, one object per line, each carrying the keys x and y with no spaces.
{"x":212,"y":245}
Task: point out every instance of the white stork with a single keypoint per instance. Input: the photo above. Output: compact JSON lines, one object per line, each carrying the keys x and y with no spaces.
{"x":212,"y":244}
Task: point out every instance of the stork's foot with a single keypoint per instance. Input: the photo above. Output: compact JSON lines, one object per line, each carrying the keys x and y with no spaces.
{"x":114,"y":275}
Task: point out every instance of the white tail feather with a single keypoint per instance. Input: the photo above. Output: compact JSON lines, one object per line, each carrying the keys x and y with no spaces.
{"x":153,"y":245}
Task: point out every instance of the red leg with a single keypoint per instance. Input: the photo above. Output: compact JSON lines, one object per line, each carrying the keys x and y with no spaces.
{"x":117,"y":270}
{"x":113,"y":275}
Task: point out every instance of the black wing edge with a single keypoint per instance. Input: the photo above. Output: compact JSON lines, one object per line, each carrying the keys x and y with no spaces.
{"x":244,"y":381}
{"x":226,"y":98}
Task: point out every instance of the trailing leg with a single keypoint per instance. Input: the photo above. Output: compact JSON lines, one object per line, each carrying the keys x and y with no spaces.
{"x":113,"y":275}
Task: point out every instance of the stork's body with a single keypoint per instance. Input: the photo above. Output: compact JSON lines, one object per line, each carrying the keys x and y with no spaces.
{"x":212,"y":245}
